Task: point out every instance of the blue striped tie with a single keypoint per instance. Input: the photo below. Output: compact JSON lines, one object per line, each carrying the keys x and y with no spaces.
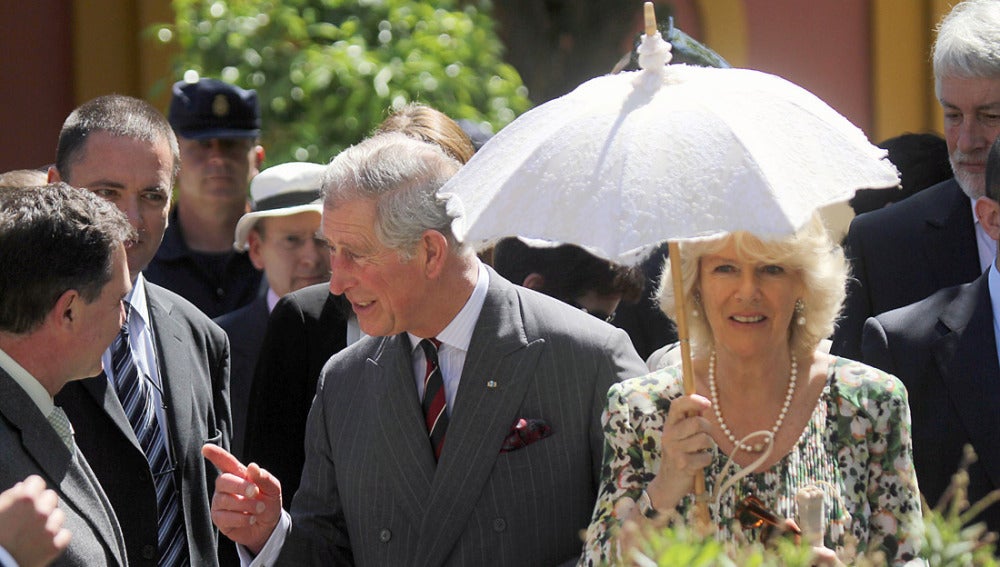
{"x":137,"y":400}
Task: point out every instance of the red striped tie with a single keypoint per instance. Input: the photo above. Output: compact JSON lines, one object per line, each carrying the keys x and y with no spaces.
{"x":434,"y":405}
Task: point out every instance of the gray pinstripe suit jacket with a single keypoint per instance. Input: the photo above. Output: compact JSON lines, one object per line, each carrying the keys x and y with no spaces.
{"x":370,"y":491}
{"x":29,"y":445}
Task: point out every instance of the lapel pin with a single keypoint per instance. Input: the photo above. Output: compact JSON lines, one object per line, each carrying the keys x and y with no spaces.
{"x":491,"y":384}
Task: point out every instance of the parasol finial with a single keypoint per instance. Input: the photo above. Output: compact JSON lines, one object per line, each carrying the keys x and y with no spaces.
{"x":653,"y":51}
{"x":649,"y":14}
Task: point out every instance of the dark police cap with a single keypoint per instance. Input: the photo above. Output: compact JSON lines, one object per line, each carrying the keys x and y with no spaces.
{"x":211,"y":108}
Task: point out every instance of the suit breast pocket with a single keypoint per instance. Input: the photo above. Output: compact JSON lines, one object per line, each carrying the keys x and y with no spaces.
{"x":215,"y":439}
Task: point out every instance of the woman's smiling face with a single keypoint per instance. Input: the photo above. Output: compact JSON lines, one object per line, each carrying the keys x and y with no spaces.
{"x":749,"y":305}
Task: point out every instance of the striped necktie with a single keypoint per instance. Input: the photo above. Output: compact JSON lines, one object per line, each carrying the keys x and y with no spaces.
{"x":434,"y":405}
{"x":136,"y":395}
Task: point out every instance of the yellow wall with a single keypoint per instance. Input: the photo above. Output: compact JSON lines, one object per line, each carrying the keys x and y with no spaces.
{"x":724,"y":25}
{"x":903,"y":80}
{"x":114,"y":52}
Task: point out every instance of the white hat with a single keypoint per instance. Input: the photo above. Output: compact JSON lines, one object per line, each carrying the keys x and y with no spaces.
{"x":282,"y":190}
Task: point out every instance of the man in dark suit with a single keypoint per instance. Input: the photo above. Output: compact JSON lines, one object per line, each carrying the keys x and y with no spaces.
{"x":465,"y":429}
{"x":945,"y":350}
{"x":217,"y":126}
{"x":281,"y":234}
{"x":61,"y":287}
{"x":907,"y":251}
{"x":164,"y":391}
{"x":306,"y":328}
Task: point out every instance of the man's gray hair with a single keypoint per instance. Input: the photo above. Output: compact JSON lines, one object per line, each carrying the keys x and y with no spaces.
{"x":968,"y":42}
{"x":402,"y":176}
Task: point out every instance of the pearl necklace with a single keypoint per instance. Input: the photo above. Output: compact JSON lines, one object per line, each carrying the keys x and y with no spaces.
{"x":757,"y":448}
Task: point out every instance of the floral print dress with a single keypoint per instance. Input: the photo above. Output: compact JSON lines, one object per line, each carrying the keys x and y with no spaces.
{"x":856,"y":447}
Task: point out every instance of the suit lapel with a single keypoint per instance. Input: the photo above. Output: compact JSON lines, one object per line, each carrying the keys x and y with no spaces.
{"x":67,"y":474}
{"x":171,"y":353}
{"x":967,"y":359}
{"x":106,"y":399}
{"x":498,"y":370}
{"x":950,"y":240}
{"x":406,"y":451}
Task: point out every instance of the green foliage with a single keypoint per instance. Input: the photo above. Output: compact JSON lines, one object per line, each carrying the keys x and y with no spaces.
{"x":328,"y":71}
{"x":681,"y":545}
{"x":949,"y":540}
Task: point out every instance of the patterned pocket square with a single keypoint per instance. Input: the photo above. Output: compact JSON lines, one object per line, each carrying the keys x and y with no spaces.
{"x":524,"y":433}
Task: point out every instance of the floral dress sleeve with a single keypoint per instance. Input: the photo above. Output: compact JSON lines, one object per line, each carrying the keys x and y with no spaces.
{"x":873,"y":406}
{"x":633,"y":424}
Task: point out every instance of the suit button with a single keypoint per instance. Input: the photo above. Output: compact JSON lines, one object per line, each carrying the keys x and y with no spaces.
{"x":499,"y":525}
{"x":148,"y":551}
{"x":384,"y":535}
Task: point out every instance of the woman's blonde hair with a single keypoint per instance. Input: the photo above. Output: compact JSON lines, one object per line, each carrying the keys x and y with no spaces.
{"x":810,"y":252}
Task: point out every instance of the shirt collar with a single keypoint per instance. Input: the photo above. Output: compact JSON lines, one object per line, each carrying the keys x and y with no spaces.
{"x":272,"y":299}
{"x":28,"y":383}
{"x":994,"y":281}
{"x":137,"y":301}
{"x":458,"y":333}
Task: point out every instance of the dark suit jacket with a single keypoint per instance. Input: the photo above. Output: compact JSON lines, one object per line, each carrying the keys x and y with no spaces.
{"x":370,"y":492}
{"x":306,"y":328}
{"x":193,"y":359}
{"x":903,"y":253}
{"x":29,"y":445}
{"x":245,"y":328}
{"x":943,"y":349}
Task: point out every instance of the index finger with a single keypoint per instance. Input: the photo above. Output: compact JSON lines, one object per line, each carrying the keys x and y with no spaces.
{"x":223,"y":460}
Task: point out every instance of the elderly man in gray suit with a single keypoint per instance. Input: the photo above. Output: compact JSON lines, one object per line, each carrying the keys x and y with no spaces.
{"x":465,"y":430}
{"x":61,"y":287}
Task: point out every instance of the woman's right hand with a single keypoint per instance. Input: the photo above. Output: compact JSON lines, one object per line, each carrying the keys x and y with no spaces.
{"x":687,"y":448}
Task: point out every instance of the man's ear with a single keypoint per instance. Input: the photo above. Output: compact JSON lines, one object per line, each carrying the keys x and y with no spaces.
{"x":66,"y":311}
{"x":435,"y":250}
{"x":256,"y":243}
{"x":534,"y":281}
{"x":988,"y":213}
{"x":258,"y":153}
{"x":54,"y":176}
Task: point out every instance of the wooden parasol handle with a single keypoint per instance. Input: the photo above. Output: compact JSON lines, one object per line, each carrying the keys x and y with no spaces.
{"x":680,"y":317}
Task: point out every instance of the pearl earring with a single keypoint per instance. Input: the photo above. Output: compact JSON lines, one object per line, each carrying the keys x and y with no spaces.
{"x":800,"y":307}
